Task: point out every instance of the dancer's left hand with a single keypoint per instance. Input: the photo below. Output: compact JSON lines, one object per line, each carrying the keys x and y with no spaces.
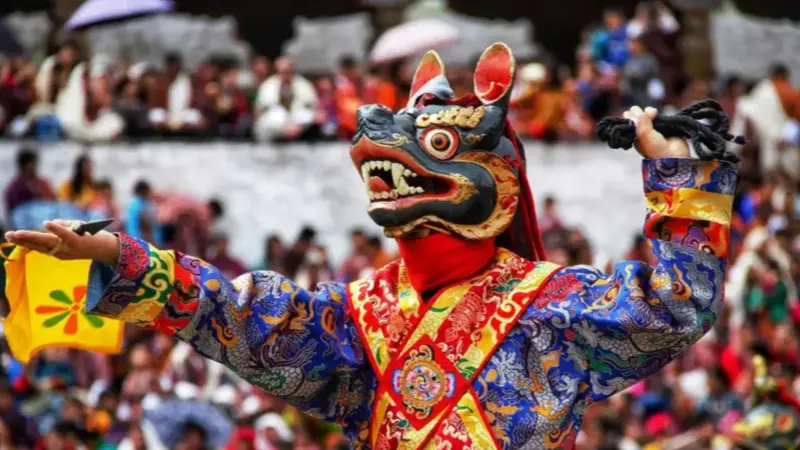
{"x":650,"y":143}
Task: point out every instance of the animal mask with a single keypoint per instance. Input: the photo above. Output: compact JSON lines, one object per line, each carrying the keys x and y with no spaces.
{"x":452,"y":165}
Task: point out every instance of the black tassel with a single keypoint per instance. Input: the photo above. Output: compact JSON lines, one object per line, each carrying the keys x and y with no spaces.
{"x":710,"y":141}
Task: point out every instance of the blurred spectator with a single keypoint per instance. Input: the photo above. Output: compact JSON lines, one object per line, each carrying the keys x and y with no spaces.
{"x":272,"y":433}
{"x":609,"y":43}
{"x":27,"y":185}
{"x":577,"y":124}
{"x":540,"y":108}
{"x":327,"y":115}
{"x":179,"y":112}
{"x":220,"y":258}
{"x":260,"y":70}
{"x":140,"y":219}
{"x":85,"y":108}
{"x":55,"y":71}
{"x":130,"y":105}
{"x":17,"y":95}
{"x":652,"y":15}
{"x":721,"y":399}
{"x":656,"y":27}
{"x":772,"y":109}
{"x":216,"y":215}
{"x":19,"y":431}
{"x":733,"y":90}
{"x":63,"y":436}
{"x":357,"y":261}
{"x":549,"y":219}
{"x":692,"y":91}
{"x":380,"y":89}
{"x":296,"y":255}
{"x":315,"y":269}
{"x":103,"y":201}
{"x":602,"y":94}
{"x":232,"y":109}
{"x":80,"y":190}
{"x":376,"y":255}
{"x":194,"y":437}
{"x":243,"y":438}
{"x":273,"y":254}
{"x":134,"y":440}
{"x":641,"y":77}
{"x":286,"y":106}
{"x":350,"y":94}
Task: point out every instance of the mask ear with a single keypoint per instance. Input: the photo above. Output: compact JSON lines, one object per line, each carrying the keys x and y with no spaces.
{"x":494,"y":74}
{"x":430,"y":79}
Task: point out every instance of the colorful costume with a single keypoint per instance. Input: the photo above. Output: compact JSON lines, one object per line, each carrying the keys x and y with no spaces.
{"x":470,"y":340}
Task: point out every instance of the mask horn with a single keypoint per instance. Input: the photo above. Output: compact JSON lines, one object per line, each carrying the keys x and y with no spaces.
{"x":494,"y":74}
{"x":430,"y":79}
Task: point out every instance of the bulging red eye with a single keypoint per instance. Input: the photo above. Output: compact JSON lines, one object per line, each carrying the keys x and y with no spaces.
{"x":441,"y":143}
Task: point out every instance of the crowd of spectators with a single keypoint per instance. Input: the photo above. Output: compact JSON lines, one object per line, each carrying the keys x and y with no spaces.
{"x":73,"y":400}
{"x":621,"y":62}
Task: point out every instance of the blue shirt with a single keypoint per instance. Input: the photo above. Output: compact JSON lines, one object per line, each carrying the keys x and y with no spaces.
{"x":133,"y":220}
{"x":610,"y":46}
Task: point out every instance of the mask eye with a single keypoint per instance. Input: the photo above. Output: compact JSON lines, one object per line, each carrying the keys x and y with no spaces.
{"x":441,"y":143}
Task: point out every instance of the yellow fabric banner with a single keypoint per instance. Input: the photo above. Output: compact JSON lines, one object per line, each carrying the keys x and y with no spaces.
{"x":50,"y":310}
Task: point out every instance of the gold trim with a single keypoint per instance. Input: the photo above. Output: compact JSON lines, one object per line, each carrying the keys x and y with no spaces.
{"x":397,"y":140}
{"x":457,"y":116}
{"x":473,"y":138}
{"x":692,"y":204}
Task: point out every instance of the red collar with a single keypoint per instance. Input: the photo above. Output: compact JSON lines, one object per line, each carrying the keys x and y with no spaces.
{"x":440,"y":259}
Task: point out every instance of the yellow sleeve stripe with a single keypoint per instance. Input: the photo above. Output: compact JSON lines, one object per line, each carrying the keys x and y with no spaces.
{"x":693,"y":204}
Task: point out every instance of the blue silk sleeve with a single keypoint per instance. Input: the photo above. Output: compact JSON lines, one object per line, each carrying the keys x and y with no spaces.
{"x":619,"y":328}
{"x":297,"y":345}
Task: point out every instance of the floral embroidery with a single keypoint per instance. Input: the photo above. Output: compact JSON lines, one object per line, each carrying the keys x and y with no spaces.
{"x":72,"y":309}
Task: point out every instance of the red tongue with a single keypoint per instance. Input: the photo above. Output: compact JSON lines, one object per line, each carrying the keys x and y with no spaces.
{"x":376,"y":184}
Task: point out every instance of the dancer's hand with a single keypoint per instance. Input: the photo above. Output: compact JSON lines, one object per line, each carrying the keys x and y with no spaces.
{"x":61,"y":242}
{"x":649,"y":142}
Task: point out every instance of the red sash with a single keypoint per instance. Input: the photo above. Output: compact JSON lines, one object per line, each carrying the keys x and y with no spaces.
{"x":427,"y":355}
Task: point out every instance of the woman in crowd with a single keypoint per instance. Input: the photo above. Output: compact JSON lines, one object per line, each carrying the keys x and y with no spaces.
{"x":80,"y":190}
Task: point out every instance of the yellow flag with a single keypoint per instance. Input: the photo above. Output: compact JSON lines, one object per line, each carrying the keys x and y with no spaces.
{"x":50,"y":310}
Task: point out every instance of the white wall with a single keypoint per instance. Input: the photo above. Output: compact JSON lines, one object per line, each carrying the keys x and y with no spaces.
{"x":280,"y":188}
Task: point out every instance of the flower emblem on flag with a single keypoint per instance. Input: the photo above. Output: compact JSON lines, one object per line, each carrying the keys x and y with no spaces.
{"x":69,"y":312}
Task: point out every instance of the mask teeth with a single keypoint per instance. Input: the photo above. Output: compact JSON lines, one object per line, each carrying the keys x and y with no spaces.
{"x":399,"y":180}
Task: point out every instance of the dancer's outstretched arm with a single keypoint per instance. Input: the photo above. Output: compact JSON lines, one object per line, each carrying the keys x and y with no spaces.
{"x":298,"y":345}
{"x":617,"y":329}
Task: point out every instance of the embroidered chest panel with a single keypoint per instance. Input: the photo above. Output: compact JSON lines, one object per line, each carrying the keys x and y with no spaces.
{"x":426,"y":354}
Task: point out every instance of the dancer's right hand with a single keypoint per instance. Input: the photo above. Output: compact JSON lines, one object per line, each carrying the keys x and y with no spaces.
{"x":649,"y":142}
{"x":61,"y":242}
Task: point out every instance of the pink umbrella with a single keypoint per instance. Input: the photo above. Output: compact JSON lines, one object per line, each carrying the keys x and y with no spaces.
{"x":412,"y":38}
{"x":97,"y":12}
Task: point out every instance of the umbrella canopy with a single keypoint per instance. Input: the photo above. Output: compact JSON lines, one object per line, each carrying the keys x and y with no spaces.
{"x":171,"y":417}
{"x":96,"y":12}
{"x":411,"y":38}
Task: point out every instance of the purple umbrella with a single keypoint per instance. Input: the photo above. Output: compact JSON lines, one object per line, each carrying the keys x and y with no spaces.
{"x":97,"y":12}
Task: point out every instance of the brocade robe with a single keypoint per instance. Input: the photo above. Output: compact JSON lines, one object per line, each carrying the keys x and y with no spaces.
{"x":508,"y":359}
